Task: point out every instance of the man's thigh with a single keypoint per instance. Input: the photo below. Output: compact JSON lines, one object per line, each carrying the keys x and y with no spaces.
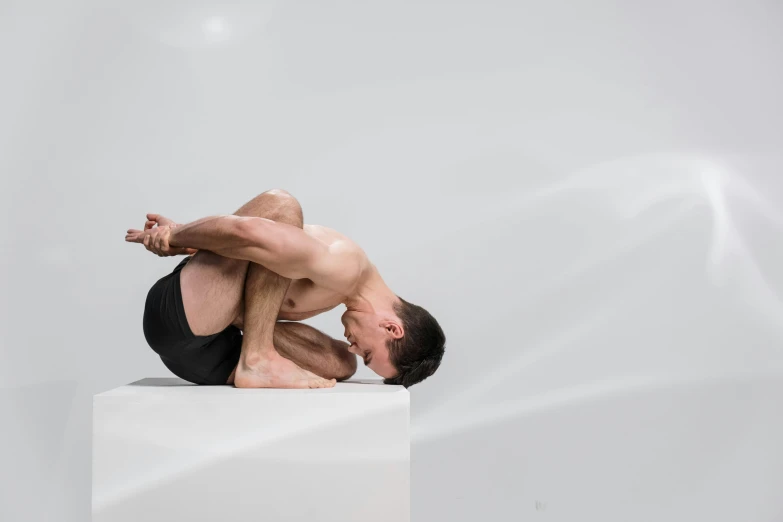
{"x":212,"y":291}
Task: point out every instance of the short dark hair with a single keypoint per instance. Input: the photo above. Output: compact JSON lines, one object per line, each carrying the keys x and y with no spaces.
{"x":418,"y":353}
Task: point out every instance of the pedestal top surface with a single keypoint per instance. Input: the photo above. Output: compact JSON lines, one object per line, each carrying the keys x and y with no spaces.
{"x":175,"y":386}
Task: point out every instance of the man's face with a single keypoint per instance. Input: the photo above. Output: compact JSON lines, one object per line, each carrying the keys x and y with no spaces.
{"x":368,"y":338}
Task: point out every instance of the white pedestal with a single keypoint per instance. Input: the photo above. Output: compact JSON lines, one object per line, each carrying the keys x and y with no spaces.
{"x":166,"y":450}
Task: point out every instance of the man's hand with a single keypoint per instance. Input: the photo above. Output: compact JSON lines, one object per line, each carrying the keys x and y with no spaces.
{"x":155,"y":237}
{"x":157,"y":219}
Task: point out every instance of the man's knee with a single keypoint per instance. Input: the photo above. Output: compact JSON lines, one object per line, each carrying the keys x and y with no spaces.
{"x":278,"y":193}
{"x":337,"y":367}
{"x":286,"y":208}
{"x":276,"y":204}
{"x":346,"y":369}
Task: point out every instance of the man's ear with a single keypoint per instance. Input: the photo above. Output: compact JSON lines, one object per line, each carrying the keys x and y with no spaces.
{"x":393,"y":328}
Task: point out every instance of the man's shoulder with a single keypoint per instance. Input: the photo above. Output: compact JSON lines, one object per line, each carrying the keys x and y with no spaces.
{"x":351,"y":257}
{"x":343,"y":264}
{"x":338,"y":244}
{"x":324,"y":234}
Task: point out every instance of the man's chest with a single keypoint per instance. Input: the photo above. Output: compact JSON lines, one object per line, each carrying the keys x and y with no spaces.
{"x":305,"y":299}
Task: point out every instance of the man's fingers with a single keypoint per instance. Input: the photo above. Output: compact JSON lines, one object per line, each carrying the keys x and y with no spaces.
{"x":133,"y":236}
{"x":160,"y":245}
{"x":161,"y":221}
{"x":155,"y":240}
{"x":152,"y":220}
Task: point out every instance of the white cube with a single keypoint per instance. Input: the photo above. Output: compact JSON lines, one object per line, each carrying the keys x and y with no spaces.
{"x":167,"y":450}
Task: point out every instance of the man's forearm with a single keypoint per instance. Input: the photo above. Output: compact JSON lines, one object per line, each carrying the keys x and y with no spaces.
{"x":214,"y":233}
{"x":314,"y":351}
{"x":282,"y":248}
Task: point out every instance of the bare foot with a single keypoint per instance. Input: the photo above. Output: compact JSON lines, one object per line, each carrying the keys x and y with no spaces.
{"x":275,"y":371}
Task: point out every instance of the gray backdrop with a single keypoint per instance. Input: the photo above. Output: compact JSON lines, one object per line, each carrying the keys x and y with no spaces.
{"x":586,"y":194}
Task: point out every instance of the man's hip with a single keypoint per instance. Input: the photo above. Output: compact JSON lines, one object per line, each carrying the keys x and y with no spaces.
{"x":208,"y":359}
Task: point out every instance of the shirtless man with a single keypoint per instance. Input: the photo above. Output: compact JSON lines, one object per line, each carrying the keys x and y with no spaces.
{"x":226,"y":314}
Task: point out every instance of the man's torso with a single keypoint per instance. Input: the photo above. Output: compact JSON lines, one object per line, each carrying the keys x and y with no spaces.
{"x":304,"y":299}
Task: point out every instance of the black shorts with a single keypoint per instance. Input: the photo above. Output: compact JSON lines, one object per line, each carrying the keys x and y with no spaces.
{"x":207,"y":359}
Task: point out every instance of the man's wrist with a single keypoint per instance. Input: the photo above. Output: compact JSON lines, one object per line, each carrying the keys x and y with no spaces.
{"x":173,"y":236}
{"x":209,"y":233}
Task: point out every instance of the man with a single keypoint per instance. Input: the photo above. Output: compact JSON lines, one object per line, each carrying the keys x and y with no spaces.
{"x":226,"y":314}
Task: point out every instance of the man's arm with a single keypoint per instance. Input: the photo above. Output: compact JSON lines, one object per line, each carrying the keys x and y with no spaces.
{"x":314,"y":351}
{"x":284,"y":249}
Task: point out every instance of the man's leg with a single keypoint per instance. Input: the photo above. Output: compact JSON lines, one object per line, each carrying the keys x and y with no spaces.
{"x":214,"y":289}
{"x":314,"y":350}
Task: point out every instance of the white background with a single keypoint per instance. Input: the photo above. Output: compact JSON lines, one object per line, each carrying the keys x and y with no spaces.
{"x":587,"y":195}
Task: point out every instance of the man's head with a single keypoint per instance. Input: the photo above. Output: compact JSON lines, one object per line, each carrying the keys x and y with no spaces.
{"x":403,"y":345}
